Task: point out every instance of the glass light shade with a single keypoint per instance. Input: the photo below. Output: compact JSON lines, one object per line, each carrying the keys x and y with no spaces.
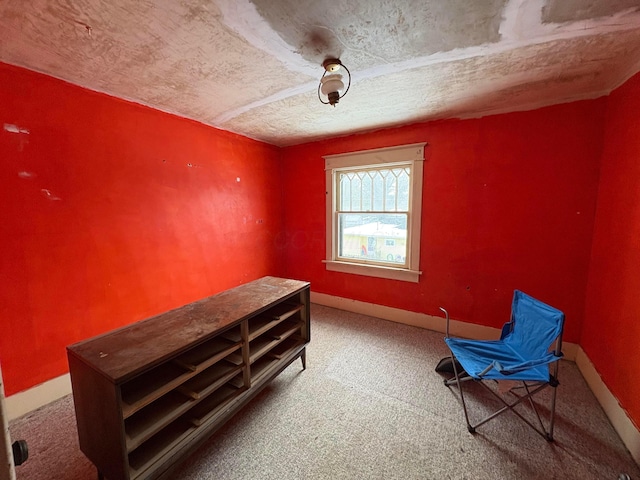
{"x":332,"y":83}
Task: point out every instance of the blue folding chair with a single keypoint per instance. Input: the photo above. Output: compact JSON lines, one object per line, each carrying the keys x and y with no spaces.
{"x":529,"y":351}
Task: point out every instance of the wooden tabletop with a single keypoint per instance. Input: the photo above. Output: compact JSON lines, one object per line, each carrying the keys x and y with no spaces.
{"x":124,"y":352}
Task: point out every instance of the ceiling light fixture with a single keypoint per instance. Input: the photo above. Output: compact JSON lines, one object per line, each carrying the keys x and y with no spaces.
{"x":331,"y":83}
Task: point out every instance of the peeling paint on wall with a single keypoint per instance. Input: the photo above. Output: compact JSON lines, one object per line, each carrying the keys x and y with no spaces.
{"x":558,"y":11}
{"x":49,"y":195}
{"x":22,"y":132}
{"x":11,"y":128}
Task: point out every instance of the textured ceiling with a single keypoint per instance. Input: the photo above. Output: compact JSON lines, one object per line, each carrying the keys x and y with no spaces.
{"x":253,"y":67}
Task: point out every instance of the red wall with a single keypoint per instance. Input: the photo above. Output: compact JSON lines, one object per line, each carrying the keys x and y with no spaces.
{"x":611,"y":332}
{"x":509,"y":202}
{"x":113,"y":212}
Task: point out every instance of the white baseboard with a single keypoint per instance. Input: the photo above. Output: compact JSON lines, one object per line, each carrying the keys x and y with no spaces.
{"x":618,"y":417}
{"x":38,"y":396}
{"x":436,"y":323}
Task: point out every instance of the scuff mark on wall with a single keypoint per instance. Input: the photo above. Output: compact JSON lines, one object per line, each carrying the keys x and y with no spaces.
{"x":11,"y":128}
{"x":50,"y":196}
{"x":26,"y":175}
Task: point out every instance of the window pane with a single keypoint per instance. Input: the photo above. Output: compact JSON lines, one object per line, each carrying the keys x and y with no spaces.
{"x":403,"y":175}
{"x":391,"y":193}
{"x":356,"y":194}
{"x":379,"y":237}
{"x":378,"y":189}
{"x":367,"y":192}
{"x":345,"y":191}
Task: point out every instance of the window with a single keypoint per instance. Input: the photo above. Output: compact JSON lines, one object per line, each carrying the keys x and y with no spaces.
{"x":374,"y":201}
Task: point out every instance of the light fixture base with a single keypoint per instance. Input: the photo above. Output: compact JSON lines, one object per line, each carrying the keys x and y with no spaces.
{"x":332,"y":65}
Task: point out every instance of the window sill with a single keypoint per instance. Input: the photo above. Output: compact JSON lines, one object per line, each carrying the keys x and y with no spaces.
{"x":374,"y":271}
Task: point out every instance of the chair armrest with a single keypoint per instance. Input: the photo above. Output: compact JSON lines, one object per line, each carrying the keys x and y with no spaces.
{"x":519,"y":367}
{"x":446,"y":314}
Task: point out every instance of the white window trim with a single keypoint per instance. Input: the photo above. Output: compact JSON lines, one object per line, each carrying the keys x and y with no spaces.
{"x":406,"y":153}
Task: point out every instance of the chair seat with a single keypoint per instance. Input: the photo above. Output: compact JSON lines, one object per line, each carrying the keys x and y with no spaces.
{"x":476,"y":355}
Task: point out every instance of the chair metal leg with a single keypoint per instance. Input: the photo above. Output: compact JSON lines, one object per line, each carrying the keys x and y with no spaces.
{"x":554,"y":384}
{"x":530,"y":390}
{"x":553,"y":413}
{"x":533,"y":408}
{"x":511,"y":406}
{"x":458,"y":383}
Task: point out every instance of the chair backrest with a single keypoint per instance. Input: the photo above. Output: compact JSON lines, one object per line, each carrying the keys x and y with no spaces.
{"x":535,"y":326}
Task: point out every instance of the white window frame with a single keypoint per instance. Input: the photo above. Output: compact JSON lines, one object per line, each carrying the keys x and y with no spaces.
{"x":404,"y":154}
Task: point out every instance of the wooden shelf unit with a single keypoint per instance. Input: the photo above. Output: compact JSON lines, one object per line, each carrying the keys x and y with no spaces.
{"x":148,"y":394}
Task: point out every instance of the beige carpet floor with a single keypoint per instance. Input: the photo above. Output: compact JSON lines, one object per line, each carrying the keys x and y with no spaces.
{"x":369,"y":406}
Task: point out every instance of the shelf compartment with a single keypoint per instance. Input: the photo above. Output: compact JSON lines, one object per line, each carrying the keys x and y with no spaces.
{"x":159,"y":445}
{"x":235,"y":358}
{"x":283,"y":311}
{"x":232,"y":335}
{"x":214,"y":404}
{"x":152,"y":385}
{"x":199,"y":358}
{"x":149,"y":386}
{"x":268,"y":341}
{"x":237,"y":382}
{"x":154,"y":417}
{"x":288,"y":347}
{"x":269,"y":319}
{"x":210,"y":380}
